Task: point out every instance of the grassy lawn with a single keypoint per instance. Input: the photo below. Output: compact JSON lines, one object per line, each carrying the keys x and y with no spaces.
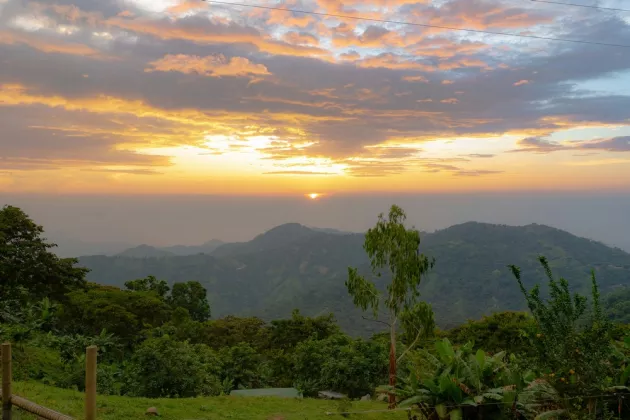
{"x":216,"y":408}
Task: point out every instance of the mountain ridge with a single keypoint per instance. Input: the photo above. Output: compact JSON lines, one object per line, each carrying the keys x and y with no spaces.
{"x":291,"y":267}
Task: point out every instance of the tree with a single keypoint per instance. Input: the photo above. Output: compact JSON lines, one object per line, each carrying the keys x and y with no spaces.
{"x":28,"y":269}
{"x":123,"y":313}
{"x":149,"y":284}
{"x":391,"y":245}
{"x":163,"y":367}
{"x":192,"y":296}
{"x":287,"y":333}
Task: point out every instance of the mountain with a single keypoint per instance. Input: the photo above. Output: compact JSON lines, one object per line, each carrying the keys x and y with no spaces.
{"x":292,"y":266}
{"x":278,"y":237}
{"x":205,"y":248}
{"x":145,"y":251}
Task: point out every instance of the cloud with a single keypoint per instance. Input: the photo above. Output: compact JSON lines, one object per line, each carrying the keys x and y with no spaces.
{"x":297,"y":173}
{"x":521,"y":82}
{"x":480,"y":155}
{"x":123,"y":171}
{"x":478,"y":172}
{"x":614,"y":144}
{"x":541,"y":145}
{"x":421,"y":79}
{"x":342,"y":85}
{"x":300,"y":38}
{"x":49,"y":45}
{"x":213,"y":66}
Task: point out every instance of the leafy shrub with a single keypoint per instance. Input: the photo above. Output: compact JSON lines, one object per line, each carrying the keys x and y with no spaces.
{"x":163,"y":367}
{"x":338,"y":363}
{"x":572,"y":343}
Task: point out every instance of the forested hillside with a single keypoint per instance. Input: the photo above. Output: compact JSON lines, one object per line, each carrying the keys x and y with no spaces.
{"x":292,"y":266}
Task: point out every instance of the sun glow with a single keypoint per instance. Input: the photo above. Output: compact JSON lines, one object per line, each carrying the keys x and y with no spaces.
{"x":313,"y":196}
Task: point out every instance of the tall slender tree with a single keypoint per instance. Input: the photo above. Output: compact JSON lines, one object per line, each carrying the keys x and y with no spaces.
{"x":394,"y":248}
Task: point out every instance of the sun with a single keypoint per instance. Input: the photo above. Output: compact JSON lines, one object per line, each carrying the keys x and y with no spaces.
{"x":313,"y":196}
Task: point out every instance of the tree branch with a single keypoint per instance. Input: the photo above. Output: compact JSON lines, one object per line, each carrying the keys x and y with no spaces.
{"x":376,"y":320}
{"x":413,"y":343}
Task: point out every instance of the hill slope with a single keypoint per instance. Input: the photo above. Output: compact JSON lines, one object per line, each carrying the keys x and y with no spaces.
{"x":109,"y":407}
{"x":145,"y":251}
{"x":205,"y":248}
{"x":302,"y":268}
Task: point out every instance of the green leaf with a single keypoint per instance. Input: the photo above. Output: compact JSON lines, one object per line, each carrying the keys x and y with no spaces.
{"x":457,"y":414}
{"x":553,"y":414}
{"x":481,"y":359}
{"x":418,"y":399}
{"x":441,"y":410}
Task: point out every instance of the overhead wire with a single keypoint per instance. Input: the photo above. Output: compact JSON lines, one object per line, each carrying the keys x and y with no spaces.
{"x":423,"y":25}
{"x":588,"y":6}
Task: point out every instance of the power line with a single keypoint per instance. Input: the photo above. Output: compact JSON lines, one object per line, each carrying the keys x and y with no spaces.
{"x":424,"y":25}
{"x":614,"y":9}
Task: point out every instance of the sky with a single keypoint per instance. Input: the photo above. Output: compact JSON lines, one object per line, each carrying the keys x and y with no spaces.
{"x":142,"y":97}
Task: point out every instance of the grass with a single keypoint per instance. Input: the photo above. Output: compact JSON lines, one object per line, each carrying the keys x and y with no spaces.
{"x":216,"y":408}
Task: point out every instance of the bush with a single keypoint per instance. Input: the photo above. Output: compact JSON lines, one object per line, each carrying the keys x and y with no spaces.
{"x":338,"y":363}
{"x":163,"y":367}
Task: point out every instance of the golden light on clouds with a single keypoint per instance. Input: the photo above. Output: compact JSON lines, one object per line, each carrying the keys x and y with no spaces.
{"x":182,"y":96}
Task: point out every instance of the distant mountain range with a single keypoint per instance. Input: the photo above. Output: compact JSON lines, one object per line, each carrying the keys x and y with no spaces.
{"x":293,"y":266}
{"x":147,"y":251}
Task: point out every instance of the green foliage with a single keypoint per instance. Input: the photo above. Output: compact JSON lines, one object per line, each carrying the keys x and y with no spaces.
{"x":287,"y":333}
{"x":28,"y":269}
{"x":241,"y":367}
{"x":164,"y":367}
{"x":457,"y":382}
{"x":123,"y":313}
{"x":390,"y":245}
{"x":338,"y":363}
{"x":193,"y":297}
{"x":499,"y":331}
{"x":617,"y":305}
{"x":149,"y":284}
{"x":573,"y":344}
{"x":230,"y":331}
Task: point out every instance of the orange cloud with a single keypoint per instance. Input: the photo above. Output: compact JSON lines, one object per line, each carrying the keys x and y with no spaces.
{"x":300,"y":38}
{"x":447,"y":82}
{"x":213,"y":66}
{"x":450,"y":101}
{"x":215,"y":33}
{"x":186,"y":6}
{"x":415,"y":79}
{"x":521,"y":82}
{"x":393,"y":61}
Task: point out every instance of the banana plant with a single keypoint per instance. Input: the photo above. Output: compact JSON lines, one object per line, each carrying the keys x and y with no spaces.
{"x":457,"y":383}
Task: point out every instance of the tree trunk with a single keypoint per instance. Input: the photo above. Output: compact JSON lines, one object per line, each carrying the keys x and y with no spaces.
{"x":392,"y":364}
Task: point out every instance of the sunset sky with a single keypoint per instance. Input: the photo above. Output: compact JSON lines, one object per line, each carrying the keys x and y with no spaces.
{"x":182,"y":96}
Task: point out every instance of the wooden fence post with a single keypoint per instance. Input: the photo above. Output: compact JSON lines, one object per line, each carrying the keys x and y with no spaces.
{"x":90,"y":383}
{"x":6,"y":381}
